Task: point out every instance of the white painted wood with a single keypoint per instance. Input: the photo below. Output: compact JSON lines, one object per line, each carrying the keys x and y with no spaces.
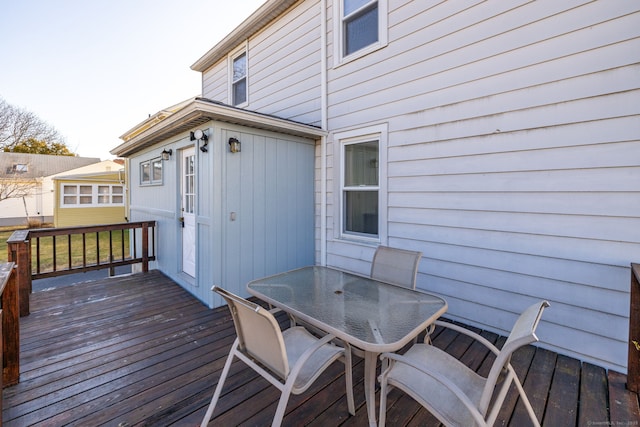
{"x":189,"y":201}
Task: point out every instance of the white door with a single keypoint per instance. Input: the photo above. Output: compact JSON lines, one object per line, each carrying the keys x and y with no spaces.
{"x":188,"y":189}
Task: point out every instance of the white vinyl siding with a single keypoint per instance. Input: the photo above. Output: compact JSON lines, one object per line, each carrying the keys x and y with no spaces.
{"x":512,"y":160}
{"x":284,"y":68}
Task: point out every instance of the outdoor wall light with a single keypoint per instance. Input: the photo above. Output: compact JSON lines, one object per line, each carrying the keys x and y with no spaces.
{"x":166,"y":154}
{"x":200,"y":135}
{"x":234,"y":145}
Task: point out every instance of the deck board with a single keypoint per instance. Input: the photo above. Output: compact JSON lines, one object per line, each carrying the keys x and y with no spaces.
{"x":140,"y":350}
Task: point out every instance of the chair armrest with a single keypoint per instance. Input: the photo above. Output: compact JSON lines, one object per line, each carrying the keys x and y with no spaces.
{"x":308,"y":352}
{"x":469,"y":333}
{"x":448,"y":384}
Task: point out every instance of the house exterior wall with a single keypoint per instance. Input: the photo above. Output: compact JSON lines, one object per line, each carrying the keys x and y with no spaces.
{"x":16,"y":210}
{"x":512,"y":160}
{"x":40,"y":205}
{"x":511,"y":142}
{"x":283,"y":68}
{"x":254,"y":209}
{"x":65,"y":216}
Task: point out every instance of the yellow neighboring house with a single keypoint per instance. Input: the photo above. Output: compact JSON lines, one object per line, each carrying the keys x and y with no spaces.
{"x":26,"y":183}
{"x":89,"y":199}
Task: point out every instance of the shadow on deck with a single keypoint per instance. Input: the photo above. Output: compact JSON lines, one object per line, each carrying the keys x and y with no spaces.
{"x":140,"y":350}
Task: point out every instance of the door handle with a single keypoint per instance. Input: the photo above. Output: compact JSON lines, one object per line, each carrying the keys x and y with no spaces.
{"x":181,"y":219}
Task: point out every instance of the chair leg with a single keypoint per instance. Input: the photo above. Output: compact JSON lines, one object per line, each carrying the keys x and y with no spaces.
{"x":348,"y":377}
{"x":282,"y":405}
{"x":526,"y":402}
{"x":216,"y":393}
{"x":383,"y":400}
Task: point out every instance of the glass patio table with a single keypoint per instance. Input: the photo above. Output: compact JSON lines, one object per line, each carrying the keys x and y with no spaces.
{"x":374,"y":316}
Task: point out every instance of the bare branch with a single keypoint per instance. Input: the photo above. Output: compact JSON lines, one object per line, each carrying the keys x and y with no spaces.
{"x":18,"y":125}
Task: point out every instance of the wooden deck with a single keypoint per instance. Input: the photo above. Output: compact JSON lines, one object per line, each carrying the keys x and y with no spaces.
{"x":139,"y":350}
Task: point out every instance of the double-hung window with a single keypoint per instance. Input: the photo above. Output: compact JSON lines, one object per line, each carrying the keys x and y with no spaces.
{"x":363,"y":26}
{"x":239,"y":79}
{"x":362,"y":185}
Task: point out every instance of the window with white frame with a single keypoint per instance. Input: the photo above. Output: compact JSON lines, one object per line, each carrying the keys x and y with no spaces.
{"x":362,"y":26}
{"x":92,"y":195}
{"x":239,"y":78}
{"x":151,"y":172}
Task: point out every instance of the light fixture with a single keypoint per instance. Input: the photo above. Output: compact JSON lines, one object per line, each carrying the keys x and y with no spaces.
{"x":166,"y":154}
{"x":234,"y":145}
{"x":200,"y":135}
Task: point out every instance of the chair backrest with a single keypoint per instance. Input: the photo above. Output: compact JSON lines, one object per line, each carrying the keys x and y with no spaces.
{"x":396,"y":266}
{"x":258,"y":333}
{"x":522,"y":333}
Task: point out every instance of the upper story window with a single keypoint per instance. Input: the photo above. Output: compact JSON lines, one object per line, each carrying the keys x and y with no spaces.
{"x":151,"y":172}
{"x":363,"y":183}
{"x":363,"y":27}
{"x":92,"y":195}
{"x":239,"y":79}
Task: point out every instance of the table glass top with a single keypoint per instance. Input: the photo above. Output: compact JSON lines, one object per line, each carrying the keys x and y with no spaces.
{"x":372,"y":315}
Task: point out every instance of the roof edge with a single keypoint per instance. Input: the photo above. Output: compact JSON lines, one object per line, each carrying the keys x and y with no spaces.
{"x":153,"y":130}
{"x":259,"y":19}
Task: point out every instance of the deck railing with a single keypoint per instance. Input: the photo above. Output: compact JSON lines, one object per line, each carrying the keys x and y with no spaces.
{"x":72,"y":250}
{"x":633,"y":362}
{"x":10,"y":330}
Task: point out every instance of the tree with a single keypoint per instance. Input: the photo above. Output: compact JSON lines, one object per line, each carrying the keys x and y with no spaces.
{"x":21,"y":129}
{"x":37,"y":146}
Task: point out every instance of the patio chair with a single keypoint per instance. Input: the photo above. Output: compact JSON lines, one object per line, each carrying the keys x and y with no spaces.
{"x":291,"y":360}
{"x":452,"y":392}
{"x":396,"y":266}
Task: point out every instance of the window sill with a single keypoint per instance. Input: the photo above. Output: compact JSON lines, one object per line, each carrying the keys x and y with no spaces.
{"x":359,"y":54}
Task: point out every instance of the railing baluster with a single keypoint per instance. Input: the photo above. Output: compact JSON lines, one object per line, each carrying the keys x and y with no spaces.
{"x":97,"y":248}
{"x":122,"y":242}
{"x":54,"y":253}
{"x":110,"y":246}
{"x":135,"y":240}
{"x":84,"y":250}
{"x":69,"y":250}
{"x":38,"y":255}
{"x":145,"y":247}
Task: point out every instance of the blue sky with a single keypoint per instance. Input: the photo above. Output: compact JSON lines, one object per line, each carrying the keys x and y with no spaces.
{"x":93,"y":69}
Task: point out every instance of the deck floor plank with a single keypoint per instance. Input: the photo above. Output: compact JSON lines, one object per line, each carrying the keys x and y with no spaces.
{"x":139,"y":350}
{"x":563,"y":402}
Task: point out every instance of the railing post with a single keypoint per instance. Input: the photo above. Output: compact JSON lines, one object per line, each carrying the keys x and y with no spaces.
{"x":19,"y":247}
{"x":10,"y":325}
{"x":145,"y":247}
{"x":633,"y":363}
